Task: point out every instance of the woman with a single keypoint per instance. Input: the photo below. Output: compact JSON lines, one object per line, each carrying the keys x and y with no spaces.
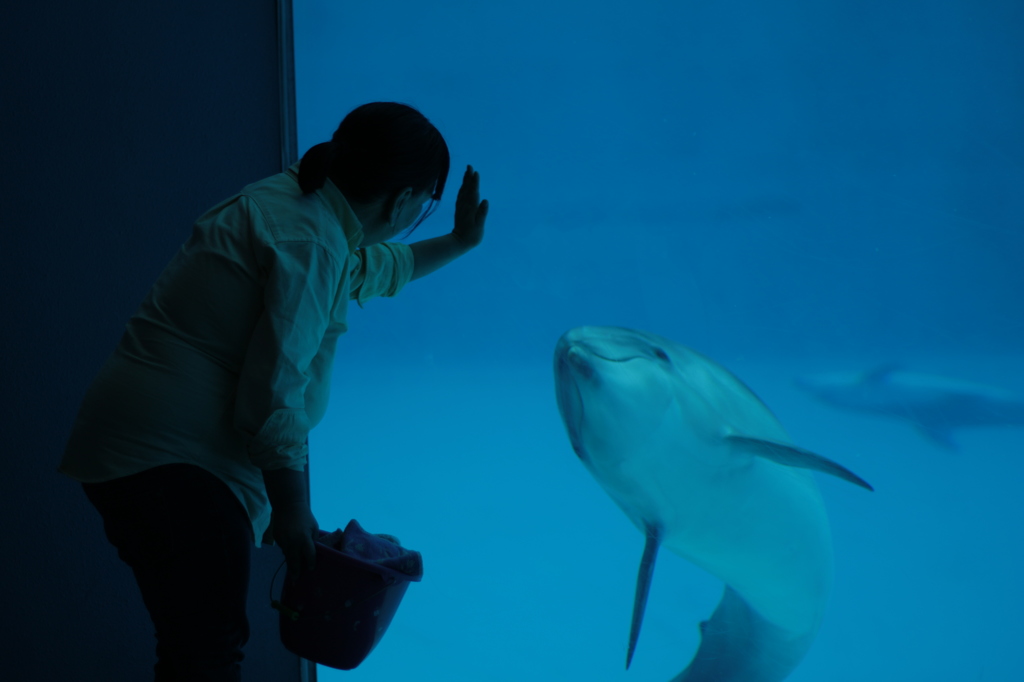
{"x":195,"y":428}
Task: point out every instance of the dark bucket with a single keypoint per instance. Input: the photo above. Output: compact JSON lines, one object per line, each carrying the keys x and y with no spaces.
{"x":336,"y":614}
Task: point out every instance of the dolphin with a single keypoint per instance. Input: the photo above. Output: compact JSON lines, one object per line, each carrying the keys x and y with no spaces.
{"x":934,"y":405}
{"x":700,"y":465}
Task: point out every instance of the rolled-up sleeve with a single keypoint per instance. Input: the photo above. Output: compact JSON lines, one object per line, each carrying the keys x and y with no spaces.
{"x":302,"y":279}
{"x":379,"y":270}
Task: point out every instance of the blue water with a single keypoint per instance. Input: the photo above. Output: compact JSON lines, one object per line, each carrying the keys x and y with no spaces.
{"x":787,"y":187}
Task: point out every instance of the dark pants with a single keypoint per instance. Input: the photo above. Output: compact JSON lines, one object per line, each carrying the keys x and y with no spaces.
{"x":188,"y":540}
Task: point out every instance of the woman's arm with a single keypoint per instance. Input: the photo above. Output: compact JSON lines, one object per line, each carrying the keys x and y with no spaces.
{"x":431,"y":254}
{"x":470,"y":215}
{"x":292,"y":524}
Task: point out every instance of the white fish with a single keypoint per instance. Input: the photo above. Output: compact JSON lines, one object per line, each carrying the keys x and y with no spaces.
{"x":934,"y":405}
{"x":700,"y":465}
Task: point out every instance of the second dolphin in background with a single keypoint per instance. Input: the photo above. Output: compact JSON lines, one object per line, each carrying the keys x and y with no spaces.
{"x":934,"y":405}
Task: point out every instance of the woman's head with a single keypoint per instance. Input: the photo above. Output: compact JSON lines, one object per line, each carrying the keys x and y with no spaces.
{"x":380,"y":150}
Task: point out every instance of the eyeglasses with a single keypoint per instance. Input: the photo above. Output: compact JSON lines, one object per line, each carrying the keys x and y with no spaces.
{"x":431,"y":207}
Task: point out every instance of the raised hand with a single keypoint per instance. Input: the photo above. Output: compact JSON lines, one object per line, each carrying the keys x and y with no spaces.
{"x":470,"y":212}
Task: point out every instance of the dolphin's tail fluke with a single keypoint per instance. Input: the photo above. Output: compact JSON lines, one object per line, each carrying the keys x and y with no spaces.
{"x":738,"y":645}
{"x":643,"y":586}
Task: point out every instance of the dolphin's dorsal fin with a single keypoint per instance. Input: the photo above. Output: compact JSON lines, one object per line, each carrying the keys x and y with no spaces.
{"x":939,"y":435}
{"x":879,"y":374}
{"x":793,"y":456}
{"x":643,"y":586}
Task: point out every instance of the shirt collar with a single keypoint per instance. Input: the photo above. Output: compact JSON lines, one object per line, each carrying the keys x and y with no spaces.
{"x":336,"y":201}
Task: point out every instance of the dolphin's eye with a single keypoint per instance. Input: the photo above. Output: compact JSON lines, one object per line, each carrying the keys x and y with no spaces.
{"x":661,"y":354}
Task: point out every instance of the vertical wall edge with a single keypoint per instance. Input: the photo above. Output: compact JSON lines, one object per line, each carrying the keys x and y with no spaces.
{"x":286,"y":77}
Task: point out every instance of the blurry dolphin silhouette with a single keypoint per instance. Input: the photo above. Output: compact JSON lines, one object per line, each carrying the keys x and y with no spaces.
{"x":699,"y":464}
{"x":934,"y":405}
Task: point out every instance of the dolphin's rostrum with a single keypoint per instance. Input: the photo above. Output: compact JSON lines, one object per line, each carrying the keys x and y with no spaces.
{"x":700,"y":465}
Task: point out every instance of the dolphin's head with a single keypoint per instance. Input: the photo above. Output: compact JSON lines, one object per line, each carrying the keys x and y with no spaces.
{"x":848,"y":389}
{"x":613,"y":387}
{"x":819,"y":385}
{"x":827,"y":380}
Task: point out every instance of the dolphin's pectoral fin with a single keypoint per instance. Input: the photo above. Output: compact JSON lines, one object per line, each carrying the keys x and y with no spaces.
{"x":792,"y":456}
{"x":880,"y":374}
{"x":643,"y":586}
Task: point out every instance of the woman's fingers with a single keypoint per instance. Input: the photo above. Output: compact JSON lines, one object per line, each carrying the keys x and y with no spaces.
{"x":470,"y":212}
{"x":481,"y":213}
{"x":470,"y":189}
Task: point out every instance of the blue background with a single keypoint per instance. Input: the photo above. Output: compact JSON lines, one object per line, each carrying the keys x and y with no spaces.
{"x":786,"y":187}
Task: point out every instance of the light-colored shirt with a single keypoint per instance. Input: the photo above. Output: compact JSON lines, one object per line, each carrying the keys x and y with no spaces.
{"x":227,"y":362}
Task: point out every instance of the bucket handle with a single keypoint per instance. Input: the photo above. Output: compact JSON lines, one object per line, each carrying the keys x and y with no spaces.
{"x":275,"y":604}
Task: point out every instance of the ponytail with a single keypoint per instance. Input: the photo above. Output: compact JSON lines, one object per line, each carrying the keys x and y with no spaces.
{"x":315,"y":167}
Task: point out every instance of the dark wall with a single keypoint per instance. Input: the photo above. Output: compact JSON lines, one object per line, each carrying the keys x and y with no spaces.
{"x":122,"y":122}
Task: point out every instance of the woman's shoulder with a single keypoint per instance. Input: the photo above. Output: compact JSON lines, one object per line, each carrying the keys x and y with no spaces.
{"x":289,"y":215}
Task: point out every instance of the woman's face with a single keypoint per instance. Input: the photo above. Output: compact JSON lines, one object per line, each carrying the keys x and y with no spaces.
{"x":411,"y":210}
{"x":383,"y":224}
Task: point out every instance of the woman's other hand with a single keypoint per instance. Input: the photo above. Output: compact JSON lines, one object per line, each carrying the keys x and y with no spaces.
{"x":295,"y":528}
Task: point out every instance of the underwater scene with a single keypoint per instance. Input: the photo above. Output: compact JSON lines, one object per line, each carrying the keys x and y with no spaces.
{"x":737,"y":373}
